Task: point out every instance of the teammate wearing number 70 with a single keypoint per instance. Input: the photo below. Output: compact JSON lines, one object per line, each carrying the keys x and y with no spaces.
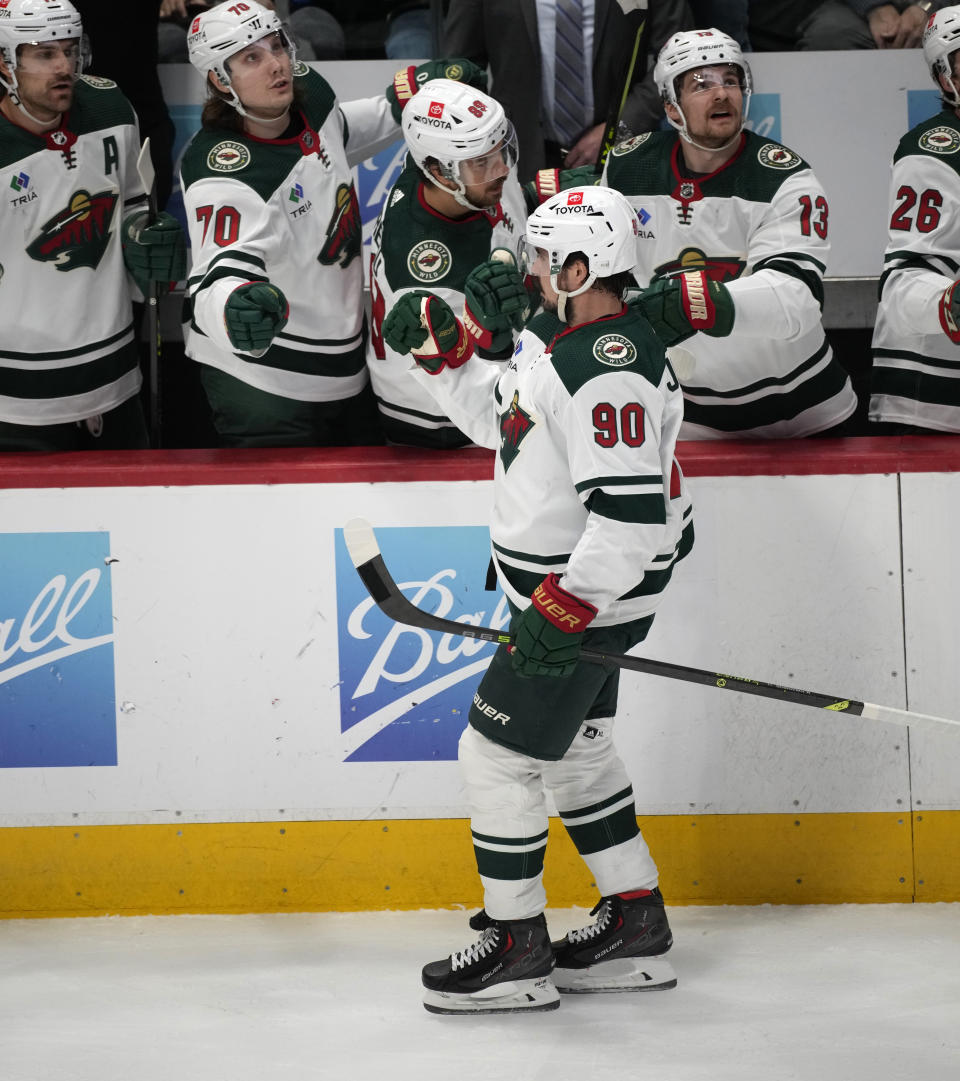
{"x":590,"y":515}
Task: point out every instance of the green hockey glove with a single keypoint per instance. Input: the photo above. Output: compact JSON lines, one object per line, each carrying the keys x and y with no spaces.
{"x":408,"y":81}
{"x":548,"y":182}
{"x":548,"y":634}
{"x":950,"y":312}
{"x":424,"y":326}
{"x":254,"y":315}
{"x":679,"y":306}
{"x":496,"y":302}
{"x":155,"y":252}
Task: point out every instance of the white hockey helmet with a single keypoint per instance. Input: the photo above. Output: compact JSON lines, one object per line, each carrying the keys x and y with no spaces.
{"x":941,"y":39}
{"x":224,"y":30}
{"x":697,"y":49}
{"x":450,"y":123}
{"x":32,"y":22}
{"x":597,"y":221}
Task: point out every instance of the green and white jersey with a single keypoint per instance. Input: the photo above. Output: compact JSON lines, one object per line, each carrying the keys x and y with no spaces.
{"x":759,"y":225}
{"x":284,"y":211}
{"x":586,"y":483}
{"x":916,"y":367}
{"x":414,"y":247}
{"x":67,"y":348}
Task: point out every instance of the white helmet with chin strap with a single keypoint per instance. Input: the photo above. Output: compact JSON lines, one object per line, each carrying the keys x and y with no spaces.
{"x":597,"y":221}
{"x":941,"y":38}
{"x":34,"y":22}
{"x":224,"y":30}
{"x":451,"y":124}
{"x":697,"y":49}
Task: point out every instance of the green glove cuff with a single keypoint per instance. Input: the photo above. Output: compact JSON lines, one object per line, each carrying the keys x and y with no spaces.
{"x":154,"y":252}
{"x":409,"y":80}
{"x":254,"y":314}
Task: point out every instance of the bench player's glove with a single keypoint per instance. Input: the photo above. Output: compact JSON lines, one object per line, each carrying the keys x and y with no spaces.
{"x":679,"y":306}
{"x":408,"y":81}
{"x":547,"y":182}
{"x":254,"y":315}
{"x":496,"y":302}
{"x":950,"y":312}
{"x":423,"y":325}
{"x":156,"y":252}
{"x":548,"y":634}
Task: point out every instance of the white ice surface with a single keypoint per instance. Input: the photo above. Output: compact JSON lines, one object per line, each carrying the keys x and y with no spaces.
{"x":820,"y":993}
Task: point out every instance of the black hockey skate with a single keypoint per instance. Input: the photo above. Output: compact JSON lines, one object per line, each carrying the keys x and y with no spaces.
{"x":506,"y":970}
{"x":622,"y":951}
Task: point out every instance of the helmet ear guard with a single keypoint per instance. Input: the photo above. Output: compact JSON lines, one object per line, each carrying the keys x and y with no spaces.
{"x":941,"y":39}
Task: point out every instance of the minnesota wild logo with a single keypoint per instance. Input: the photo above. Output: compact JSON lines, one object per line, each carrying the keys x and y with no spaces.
{"x":515,"y":425}
{"x":344,"y":237}
{"x":78,"y":235}
{"x":720,"y":268}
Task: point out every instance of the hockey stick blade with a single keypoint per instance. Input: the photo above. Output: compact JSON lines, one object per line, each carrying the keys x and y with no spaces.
{"x":365,"y":555}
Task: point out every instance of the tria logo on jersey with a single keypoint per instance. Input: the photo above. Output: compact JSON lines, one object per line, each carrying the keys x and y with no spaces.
{"x":57,"y":696}
{"x":405,"y":692}
{"x":78,"y":235}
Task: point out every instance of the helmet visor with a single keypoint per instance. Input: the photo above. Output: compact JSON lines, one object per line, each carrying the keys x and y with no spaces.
{"x":701,"y":80}
{"x":261,"y":52}
{"x":494,"y":165}
{"x":49,"y":57}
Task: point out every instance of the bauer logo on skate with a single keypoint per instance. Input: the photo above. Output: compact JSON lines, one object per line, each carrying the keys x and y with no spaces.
{"x":57,"y":698}
{"x":405,"y":692}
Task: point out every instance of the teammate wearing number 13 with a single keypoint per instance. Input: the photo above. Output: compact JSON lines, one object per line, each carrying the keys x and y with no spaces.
{"x":733,"y":248}
{"x":590,"y":516}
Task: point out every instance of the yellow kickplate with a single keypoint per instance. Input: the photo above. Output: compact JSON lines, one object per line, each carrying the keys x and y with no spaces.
{"x":348,"y":866}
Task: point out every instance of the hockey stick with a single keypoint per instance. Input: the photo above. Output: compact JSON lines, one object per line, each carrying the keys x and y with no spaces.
{"x":147,"y":176}
{"x":636,"y":14}
{"x":365,"y":554}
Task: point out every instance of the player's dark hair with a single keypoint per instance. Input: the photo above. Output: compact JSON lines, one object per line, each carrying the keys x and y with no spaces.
{"x":616,"y":284}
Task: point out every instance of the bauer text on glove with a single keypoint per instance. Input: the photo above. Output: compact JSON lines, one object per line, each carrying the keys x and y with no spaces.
{"x":548,"y":634}
{"x":677,"y":307}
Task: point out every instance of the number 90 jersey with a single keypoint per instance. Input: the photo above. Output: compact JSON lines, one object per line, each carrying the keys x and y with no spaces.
{"x":586,"y":483}
{"x":916,"y":365}
{"x":759,"y":225}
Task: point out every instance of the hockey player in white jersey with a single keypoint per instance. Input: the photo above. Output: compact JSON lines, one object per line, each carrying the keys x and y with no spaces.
{"x":73,"y":224}
{"x":590,"y":515}
{"x":733,"y":247}
{"x":915,"y":381}
{"x":457,"y":200}
{"x":275,"y":311}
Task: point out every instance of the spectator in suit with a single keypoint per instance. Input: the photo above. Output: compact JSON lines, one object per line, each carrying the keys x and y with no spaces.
{"x":517,"y":39}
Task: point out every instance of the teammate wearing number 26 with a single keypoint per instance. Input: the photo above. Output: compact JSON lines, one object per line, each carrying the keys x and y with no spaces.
{"x":732,"y":252}
{"x":590,"y":515}
{"x":274,"y":308}
{"x":915,"y":382}
{"x":74,"y":238}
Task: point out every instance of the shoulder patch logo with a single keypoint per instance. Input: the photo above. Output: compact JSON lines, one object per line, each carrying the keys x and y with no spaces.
{"x":228,"y":157}
{"x":775,"y":156}
{"x":300,"y":68}
{"x":630,"y":144}
{"x":941,"y":140}
{"x":429,"y":260}
{"x":614,"y":350}
{"x":98,"y":82}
